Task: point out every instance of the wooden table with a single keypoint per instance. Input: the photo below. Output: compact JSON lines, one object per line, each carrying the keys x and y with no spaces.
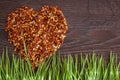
{"x":94,"y":25}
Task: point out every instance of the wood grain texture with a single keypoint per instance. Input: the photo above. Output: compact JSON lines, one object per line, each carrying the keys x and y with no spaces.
{"x":94,"y":25}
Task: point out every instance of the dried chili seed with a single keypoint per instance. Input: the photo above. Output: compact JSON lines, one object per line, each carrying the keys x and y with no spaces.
{"x":43,"y":31}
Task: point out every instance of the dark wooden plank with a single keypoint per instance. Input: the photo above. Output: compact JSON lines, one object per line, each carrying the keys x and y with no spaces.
{"x":94,"y":25}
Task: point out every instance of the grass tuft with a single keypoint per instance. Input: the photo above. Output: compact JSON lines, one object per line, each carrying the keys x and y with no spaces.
{"x":55,"y":68}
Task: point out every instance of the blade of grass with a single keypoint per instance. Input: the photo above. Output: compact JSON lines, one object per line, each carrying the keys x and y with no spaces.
{"x":55,"y":69}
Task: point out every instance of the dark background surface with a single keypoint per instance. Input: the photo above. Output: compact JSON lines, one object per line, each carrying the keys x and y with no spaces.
{"x":94,"y":25}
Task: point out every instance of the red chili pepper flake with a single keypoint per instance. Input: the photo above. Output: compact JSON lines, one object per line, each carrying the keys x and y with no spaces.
{"x":43,"y":31}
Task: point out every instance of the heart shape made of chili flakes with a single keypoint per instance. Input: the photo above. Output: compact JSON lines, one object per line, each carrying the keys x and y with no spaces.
{"x":43,"y":32}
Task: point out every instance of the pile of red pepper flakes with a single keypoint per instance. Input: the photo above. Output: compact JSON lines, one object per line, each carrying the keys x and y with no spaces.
{"x":43,"y":32}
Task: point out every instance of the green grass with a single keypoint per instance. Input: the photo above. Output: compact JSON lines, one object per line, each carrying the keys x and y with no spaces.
{"x":55,"y":68}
